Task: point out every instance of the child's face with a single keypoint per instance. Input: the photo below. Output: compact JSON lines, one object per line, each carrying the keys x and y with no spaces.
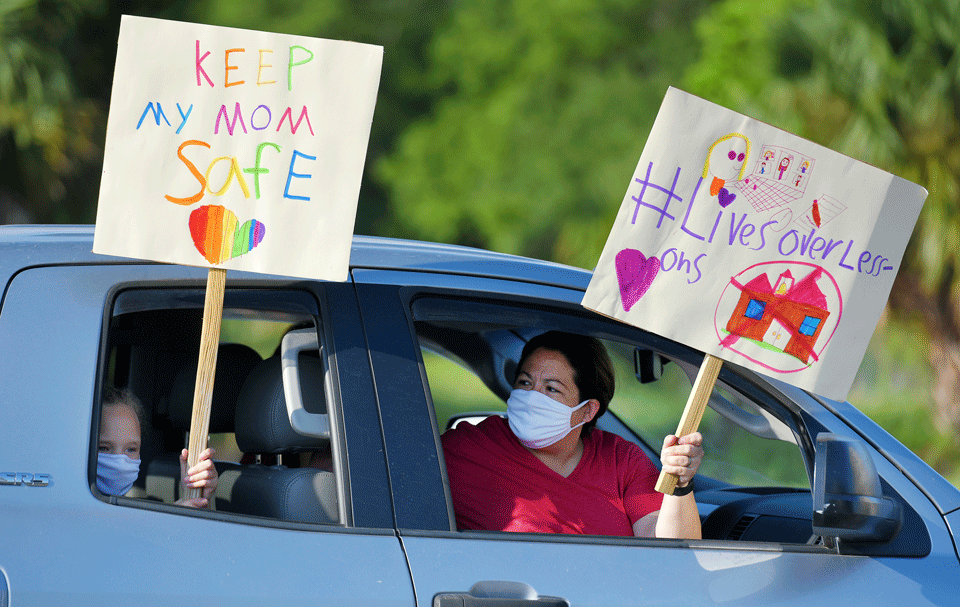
{"x":120,"y":431}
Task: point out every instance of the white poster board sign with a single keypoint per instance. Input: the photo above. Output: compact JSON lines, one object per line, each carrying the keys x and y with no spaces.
{"x":235,"y":149}
{"x":754,"y":245}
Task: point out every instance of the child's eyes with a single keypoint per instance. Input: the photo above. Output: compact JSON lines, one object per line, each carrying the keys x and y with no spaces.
{"x":103,"y":448}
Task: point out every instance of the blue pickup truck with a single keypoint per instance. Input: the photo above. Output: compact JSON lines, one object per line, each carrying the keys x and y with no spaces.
{"x":802,"y":500}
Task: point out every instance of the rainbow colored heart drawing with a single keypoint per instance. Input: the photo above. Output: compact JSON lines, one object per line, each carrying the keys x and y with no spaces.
{"x":218,"y":235}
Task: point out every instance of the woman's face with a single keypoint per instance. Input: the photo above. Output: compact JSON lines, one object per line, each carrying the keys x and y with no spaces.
{"x":549,"y":372}
{"x":119,"y":431}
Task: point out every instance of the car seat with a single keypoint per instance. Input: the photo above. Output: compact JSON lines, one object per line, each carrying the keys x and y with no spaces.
{"x":305,"y":495}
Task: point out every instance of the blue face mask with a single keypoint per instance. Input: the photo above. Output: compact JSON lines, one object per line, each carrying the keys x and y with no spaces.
{"x":537,"y":420}
{"x":116,"y":473}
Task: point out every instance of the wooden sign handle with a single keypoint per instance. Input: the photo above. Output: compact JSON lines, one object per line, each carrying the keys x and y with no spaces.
{"x":693,"y":412}
{"x":206,"y":369}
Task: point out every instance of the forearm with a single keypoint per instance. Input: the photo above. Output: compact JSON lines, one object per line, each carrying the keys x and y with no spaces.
{"x":679,"y":518}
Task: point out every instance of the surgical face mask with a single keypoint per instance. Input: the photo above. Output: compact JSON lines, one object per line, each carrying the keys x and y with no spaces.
{"x":538,"y":420}
{"x":116,"y":473}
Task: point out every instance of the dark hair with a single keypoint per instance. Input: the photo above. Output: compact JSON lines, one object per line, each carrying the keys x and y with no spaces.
{"x":592,"y":369}
{"x":115,"y":396}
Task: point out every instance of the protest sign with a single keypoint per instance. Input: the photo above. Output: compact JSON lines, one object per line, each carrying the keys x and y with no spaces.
{"x":755,"y":246}
{"x":234,"y":149}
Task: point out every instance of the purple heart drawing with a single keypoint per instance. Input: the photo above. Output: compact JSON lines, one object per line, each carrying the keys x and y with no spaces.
{"x":634,"y":273}
{"x":725,"y":197}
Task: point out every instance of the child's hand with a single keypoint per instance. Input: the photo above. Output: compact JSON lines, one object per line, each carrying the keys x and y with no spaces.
{"x":203,"y":475}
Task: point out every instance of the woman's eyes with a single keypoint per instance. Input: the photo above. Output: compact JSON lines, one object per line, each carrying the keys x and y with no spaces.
{"x":103,"y":449}
{"x":526,"y":383}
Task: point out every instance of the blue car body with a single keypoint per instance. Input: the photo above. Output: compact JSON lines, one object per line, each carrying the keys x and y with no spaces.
{"x":383,"y":532}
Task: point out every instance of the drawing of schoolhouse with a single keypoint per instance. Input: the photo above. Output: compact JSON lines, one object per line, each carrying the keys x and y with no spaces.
{"x":788,"y":316}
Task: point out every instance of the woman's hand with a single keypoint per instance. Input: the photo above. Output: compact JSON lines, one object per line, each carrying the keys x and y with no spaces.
{"x":202,"y":475}
{"x":682,"y":456}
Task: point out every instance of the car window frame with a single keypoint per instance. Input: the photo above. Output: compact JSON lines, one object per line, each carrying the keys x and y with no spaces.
{"x":613,"y":330}
{"x":249,"y":294}
{"x":398,"y":288}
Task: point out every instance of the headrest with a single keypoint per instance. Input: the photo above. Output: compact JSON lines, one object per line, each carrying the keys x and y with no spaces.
{"x":262,"y":423}
{"x":302,"y":495}
{"x":234,"y":363}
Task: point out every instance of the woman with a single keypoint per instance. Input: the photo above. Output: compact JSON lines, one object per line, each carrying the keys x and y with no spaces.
{"x":549,"y":470}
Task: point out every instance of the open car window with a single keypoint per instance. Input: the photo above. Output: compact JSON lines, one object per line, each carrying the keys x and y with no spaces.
{"x":470,"y":351}
{"x":744,"y":443}
{"x":269,"y":468}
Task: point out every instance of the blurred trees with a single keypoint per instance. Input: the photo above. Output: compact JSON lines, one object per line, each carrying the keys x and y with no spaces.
{"x":56,"y":72}
{"x":48,"y":131}
{"x":513,"y":125}
{"x":544,"y":113}
{"x":878,"y":80}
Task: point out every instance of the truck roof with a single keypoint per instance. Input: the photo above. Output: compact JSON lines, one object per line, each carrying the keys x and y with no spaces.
{"x":37,"y":245}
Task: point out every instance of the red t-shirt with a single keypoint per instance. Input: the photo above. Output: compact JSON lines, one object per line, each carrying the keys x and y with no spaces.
{"x":498,"y":485}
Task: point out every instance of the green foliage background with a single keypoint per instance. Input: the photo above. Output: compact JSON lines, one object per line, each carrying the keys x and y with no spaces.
{"x":515,"y":125}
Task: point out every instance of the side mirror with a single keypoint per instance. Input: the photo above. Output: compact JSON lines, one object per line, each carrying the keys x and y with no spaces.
{"x":847,"y":501}
{"x":647,"y":365}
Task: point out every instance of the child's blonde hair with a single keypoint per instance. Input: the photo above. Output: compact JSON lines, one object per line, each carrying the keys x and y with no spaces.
{"x":113,"y":397}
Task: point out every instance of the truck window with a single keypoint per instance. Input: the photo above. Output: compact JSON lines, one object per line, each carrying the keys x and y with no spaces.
{"x":152,"y":345}
{"x":753,"y":466}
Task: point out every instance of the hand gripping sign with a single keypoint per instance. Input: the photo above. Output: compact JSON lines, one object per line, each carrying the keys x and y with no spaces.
{"x":755,"y":246}
{"x":234,"y":149}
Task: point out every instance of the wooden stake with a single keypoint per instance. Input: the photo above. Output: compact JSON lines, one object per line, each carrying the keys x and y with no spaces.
{"x":206,"y":369}
{"x":693,"y":412}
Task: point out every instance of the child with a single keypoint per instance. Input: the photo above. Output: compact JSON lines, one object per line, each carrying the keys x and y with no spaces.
{"x":118,"y":460}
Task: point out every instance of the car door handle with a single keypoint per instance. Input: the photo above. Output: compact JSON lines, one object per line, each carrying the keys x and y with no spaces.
{"x":495,"y":593}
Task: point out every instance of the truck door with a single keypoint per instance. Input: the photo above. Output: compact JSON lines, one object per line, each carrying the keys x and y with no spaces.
{"x":68,"y":332}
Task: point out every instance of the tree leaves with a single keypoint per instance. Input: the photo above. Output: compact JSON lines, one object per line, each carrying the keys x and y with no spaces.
{"x":883,"y":86}
{"x":47,"y":131}
{"x":547,"y":113}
